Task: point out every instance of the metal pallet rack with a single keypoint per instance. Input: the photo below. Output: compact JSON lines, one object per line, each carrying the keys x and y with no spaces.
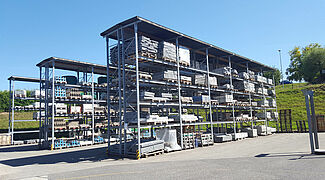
{"x":85,"y":73}
{"x":12,"y":107}
{"x":125,"y":82}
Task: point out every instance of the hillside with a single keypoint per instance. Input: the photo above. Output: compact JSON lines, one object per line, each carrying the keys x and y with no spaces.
{"x":291,"y":97}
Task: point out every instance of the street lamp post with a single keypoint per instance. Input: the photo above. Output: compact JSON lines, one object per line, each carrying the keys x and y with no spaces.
{"x":281,"y":67}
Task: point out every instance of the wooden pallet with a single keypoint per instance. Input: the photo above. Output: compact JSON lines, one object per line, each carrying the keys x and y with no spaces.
{"x":146,"y":155}
{"x":213,"y":86}
{"x":170,"y":80}
{"x":186,"y":82}
{"x":184,"y":63}
{"x":169,"y":59}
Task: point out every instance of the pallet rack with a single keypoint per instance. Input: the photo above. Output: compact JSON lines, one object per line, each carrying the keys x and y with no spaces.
{"x":12,"y":108}
{"x":121,"y":85}
{"x":85,"y":73}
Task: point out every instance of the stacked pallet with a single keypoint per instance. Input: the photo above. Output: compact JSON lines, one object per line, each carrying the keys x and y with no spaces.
{"x":189,"y":140}
{"x":261,"y":79}
{"x":184,"y":56}
{"x":59,"y":108}
{"x":200,"y":79}
{"x":224,"y":71}
{"x":5,"y":139}
{"x":204,"y":139}
{"x":251,"y":75}
{"x":251,"y":132}
{"x":146,"y":47}
{"x":168,"y":96}
{"x":167,"y":51}
{"x":20,"y":93}
{"x":274,"y":115}
{"x":73,"y":93}
{"x":88,"y":108}
{"x":58,"y":124}
{"x":75,"y":110}
{"x":262,"y":115}
{"x":254,"y":103}
{"x":99,"y":109}
{"x":166,"y":75}
{"x":141,"y":76}
{"x":227,"y":87}
{"x":263,"y":103}
{"x":221,"y":137}
{"x":146,"y":95}
{"x":244,"y":75}
{"x":59,"y":92}
{"x":260,"y":90}
{"x":226,"y":98}
{"x":270,"y":81}
{"x":203,"y":99}
{"x":186,"y":99}
{"x":213,"y":81}
{"x":244,"y":86}
{"x":73,"y":124}
{"x":189,"y":118}
{"x":186,"y":80}
{"x":234,"y":73}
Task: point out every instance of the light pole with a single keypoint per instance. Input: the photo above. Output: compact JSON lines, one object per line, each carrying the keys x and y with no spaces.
{"x":281,"y":67}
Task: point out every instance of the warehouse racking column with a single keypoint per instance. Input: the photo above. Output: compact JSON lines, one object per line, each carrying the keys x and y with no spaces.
{"x":124,"y":89}
{"x":108,"y":99}
{"x":276,"y":106}
{"x":119,"y":91}
{"x":53,"y":102}
{"x":250,"y":100}
{"x":40,"y":109}
{"x":264,"y":99}
{"x":12,"y":111}
{"x":93,"y":105}
{"x":137,"y":82}
{"x":232,"y":94}
{"x":179,"y":93}
{"x":209,"y":91}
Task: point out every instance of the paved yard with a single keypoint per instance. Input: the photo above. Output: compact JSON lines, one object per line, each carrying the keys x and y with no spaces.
{"x":280,"y":156}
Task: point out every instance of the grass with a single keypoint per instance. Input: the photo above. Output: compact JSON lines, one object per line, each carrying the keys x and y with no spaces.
{"x":4,"y":116}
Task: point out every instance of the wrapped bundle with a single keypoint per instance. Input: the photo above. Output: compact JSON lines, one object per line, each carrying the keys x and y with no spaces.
{"x":227,"y":86}
{"x":186,"y":99}
{"x":165,"y":75}
{"x":200,"y":79}
{"x":244,"y":75}
{"x":224,"y":70}
{"x":261,"y":79}
{"x":213,"y":81}
{"x":167,"y":51}
{"x":270,"y":81}
{"x":227,"y":98}
{"x":184,"y":55}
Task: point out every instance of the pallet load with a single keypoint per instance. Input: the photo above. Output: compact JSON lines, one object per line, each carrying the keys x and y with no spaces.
{"x":166,"y":75}
{"x":261,"y":79}
{"x":168,"y":96}
{"x":73,"y":124}
{"x":189,"y":118}
{"x":20,"y":93}
{"x":254,"y":103}
{"x":58,"y":124}
{"x":87,"y":108}
{"x":36,"y":115}
{"x":186,"y":80}
{"x":263,"y":103}
{"x":251,"y":75}
{"x":141,"y":76}
{"x":189,"y":140}
{"x":251,"y":132}
{"x":147,"y":147}
{"x":184,"y":56}
{"x":146,"y":95}
{"x":204,"y":139}
{"x":270,"y":81}
{"x":261,"y":130}
{"x":262,"y":115}
{"x":272,"y":102}
{"x":221,"y":137}
{"x":227,"y":87}
{"x":113,"y":54}
{"x":146,"y":47}
{"x":169,"y":136}
{"x":59,"y":92}
{"x":167,"y":51}
{"x":59,"y":80}
{"x":86,"y":97}
{"x":274,"y":115}
{"x":213,"y":81}
{"x":244,"y":75}
{"x":75,"y":110}
{"x":204,"y":99}
{"x":37,"y":105}
{"x":224,"y":99}
{"x":59,"y":108}
{"x":234,"y":73}
{"x":99,"y":109}
{"x":200,"y":79}
{"x":238,"y":136}
{"x":73,"y":93}
{"x":224,"y":71}
{"x":188,"y":100}
{"x":5,"y":139}
{"x":244,"y":86}
{"x":36,"y":93}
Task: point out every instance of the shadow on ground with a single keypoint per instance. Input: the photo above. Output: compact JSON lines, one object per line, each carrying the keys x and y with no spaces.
{"x":299,"y":155}
{"x":93,"y":155}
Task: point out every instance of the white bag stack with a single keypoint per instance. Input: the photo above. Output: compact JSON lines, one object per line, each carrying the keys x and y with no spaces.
{"x":270,"y":81}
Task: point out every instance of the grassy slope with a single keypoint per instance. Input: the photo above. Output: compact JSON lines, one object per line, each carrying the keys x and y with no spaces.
{"x":291,"y":97}
{"x":18,"y":125}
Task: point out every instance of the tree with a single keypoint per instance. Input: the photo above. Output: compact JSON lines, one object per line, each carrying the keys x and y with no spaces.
{"x":313,"y":63}
{"x":276,"y":74}
{"x":295,"y":69}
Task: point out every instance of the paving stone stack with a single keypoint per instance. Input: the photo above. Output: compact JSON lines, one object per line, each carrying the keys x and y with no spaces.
{"x":165,"y":75}
{"x":145,"y":45}
{"x":200,"y":79}
{"x":261,"y":79}
{"x":244,"y":86}
{"x":167,"y":51}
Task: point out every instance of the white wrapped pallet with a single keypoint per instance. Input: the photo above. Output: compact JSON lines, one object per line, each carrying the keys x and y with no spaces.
{"x":224,"y":70}
{"x":38,"y":105}
{"x":20,"y":93}
{"x":213,"y":81}
{"x":261,"y":115}
{"x":227,"y":86}
{"x":259,"y":90}
{"x":169,"y":136}
{"x":261,"y":79}
{"x":167,"y":51}
{"x":244,"y":86}
{"x":165,"y":75}
{"x":251,"y":75}
{"x":264,"y":91}
{"x":254,"y":103}
{"x":244,"y":75}
{"x":270,"y":81}
{"x":186,"y":99}
{"x":227,"y":98}
{"x":88,"y":108}
{"x":75,"y":110}
{"x":184,"y":55}
{"x":200,"y":79}
{"x":36,"y":93}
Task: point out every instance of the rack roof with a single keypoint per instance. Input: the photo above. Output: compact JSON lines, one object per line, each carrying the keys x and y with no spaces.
{"x":166,"y":34}
{"x":25,"y":79}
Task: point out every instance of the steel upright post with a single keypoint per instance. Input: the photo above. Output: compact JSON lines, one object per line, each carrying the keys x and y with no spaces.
{"x":276,"y":106}
{"x":250,"y":101}
{"x":209,"y":91}
{"x":53,"y":101}
{"x":108,"y":95}
{"x":313,"y":116}
{"x":119,"y":91}
{"x":312,"y":147}
{"x":9,"y":110}
{"x":264,"y":99}
{"x":93,"y":106}
{"x":232,"y":94}
{"x":40,"y":108}
{"x":179,"y":92}
{"x":13,"y":112}
{"x":137,"y":83}
{"x":124,"y":89}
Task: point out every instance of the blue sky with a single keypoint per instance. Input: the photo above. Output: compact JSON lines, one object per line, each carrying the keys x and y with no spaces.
{"x":31,"y":31}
